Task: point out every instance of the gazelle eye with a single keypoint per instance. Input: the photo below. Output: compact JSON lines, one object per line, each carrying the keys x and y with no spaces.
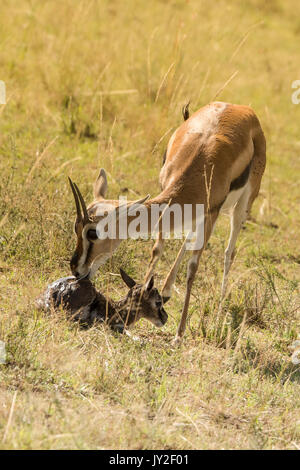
{"x":91,"y":235}
{"x":158,"y":303}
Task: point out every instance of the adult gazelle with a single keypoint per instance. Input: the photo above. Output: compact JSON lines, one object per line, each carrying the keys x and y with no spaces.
{"x":215,"y":158}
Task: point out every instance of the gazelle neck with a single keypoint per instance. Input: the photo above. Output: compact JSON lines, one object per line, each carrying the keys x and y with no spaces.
{"x":125,"y":311}
{"x":145,"y":219}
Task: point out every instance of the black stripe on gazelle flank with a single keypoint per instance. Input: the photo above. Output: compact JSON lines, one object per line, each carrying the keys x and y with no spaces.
{"x":241,"y":180}
{"x":236,"y":184}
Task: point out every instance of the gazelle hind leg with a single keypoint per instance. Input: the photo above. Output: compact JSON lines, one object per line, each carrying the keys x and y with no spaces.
{"x":238,"y":217}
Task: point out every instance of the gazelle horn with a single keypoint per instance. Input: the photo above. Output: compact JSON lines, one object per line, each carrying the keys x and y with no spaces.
{"x":129,"y":205}
{"x":78,"y":210}
{"x":86,"y":218}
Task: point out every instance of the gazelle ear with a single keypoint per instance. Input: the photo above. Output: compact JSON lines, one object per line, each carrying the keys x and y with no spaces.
{"x":150,"y":284}
{"x":185,"y":111}
{"x":100,"y":186}
{"x":127,"y":279}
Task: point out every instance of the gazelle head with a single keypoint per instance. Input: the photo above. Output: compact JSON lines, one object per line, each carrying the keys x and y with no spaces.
{"x":91,"y":251}
{"x":144,"y":301}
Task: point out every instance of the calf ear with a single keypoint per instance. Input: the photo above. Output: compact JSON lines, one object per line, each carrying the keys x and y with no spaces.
{"x":127,"y":279}
{"x":150,"y":284}
{"x":100,"y":186}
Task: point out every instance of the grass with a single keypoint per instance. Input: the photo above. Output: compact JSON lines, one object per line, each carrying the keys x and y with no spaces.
{"x":95,"y":84}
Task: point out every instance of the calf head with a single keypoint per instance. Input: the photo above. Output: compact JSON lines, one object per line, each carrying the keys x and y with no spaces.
{"x":144,"y":301}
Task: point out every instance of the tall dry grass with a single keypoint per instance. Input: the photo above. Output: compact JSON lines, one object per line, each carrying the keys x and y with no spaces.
{"x":101,"y":84}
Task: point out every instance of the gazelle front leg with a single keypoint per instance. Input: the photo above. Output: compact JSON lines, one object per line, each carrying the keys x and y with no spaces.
{"x":155,"y":255}
{"x":170,"y":279}
{"x":191,"y":273}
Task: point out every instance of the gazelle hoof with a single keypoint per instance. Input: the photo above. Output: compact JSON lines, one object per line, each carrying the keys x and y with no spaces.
{"x":131,"y":336}
{"x":177,"y":341}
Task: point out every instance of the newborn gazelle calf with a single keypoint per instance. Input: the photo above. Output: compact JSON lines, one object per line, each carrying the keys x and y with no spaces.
{"x":88,"y":306}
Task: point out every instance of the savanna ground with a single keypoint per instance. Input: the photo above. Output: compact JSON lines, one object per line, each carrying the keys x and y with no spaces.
{"x":95,"y":84}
